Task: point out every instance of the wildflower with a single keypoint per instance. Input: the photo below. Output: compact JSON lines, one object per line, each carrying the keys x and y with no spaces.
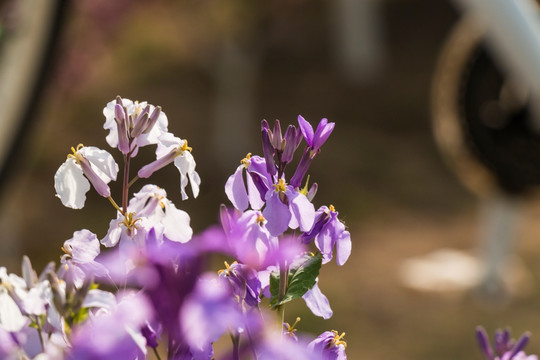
{"x":257,"y":180}
{"x":80,"y":252}
{"x":315,"y":140}
{"x":330,"y":345}
{"x":328,"y":233}
{"x":97,"y":165}
{"x":132,"y":124}
{"x":286,"y":207}
{"x":172,"y":149}
{"x":504,"y":347}
{"x":115,"y":333}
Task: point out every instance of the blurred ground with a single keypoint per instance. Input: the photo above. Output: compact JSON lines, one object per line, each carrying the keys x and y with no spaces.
{"x":381,"y":168}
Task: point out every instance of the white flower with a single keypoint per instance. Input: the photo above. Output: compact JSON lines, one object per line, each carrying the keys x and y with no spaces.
{"x":144,"y":130}
{"x":152,"y":203}
{"x":97,"y":165}
{"x":184,"y":162}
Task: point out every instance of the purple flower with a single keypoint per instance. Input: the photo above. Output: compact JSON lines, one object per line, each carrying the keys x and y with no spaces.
{"x":328,"y":233}
{"x":286,"y":207}
{"x":504,"y":347}
{"x":113,"y":334}
{"x":207,"y":313}
{"x":257,"y":181}
{"x":244,"y":282}
{"x":315,"y":139}
{"x":329,"y":345}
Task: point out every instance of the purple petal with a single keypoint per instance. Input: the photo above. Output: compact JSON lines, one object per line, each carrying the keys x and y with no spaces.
{"x":307,"y":130}
{"x":302,"y":210}
{"x":317,"y":302}
{"x":323,"y":132}
{"x":343,"y":248}
{"x":276,"y":213}
{"x":236,"y":190}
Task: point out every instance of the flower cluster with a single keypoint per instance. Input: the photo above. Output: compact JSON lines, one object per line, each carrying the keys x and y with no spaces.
{"x":154,"y":290}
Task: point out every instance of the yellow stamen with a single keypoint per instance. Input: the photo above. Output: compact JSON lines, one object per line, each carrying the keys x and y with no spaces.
{"x":260,"y":219}
{"x":130,"y":222}
{"x":337,"y":339}
{"x":185,"y":147}
{"x":332,"y":208}
{"x":292,"y":328}
{"x":227,"y":268}
{"x":246,"y":161}
{"x":75,"y":154}
{"x":280,"y":186}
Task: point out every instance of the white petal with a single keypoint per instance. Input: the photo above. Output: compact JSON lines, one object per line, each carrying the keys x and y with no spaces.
{"x":71,"y":185}
{"x":176,"y":224}
{"x":186,"y":165}
{"x":102,"y":162}
{"x":100,"y":298}
{"x":11,"y":318}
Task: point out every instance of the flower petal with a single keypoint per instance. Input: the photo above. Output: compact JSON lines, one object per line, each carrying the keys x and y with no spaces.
{"x":317,"y":302}
{"x":71,"y":185}
{"x":276,"y":213}
{"x":236,"y":189}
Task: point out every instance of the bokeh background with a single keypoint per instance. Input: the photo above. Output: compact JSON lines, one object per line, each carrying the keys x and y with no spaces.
{"x":218,"y":68}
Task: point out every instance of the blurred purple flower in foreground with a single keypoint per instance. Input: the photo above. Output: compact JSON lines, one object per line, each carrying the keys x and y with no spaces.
{"x":505,"y":348}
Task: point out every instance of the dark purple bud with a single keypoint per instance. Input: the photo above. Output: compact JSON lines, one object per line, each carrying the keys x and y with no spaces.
{"x":264,"y":125}
{"x":118,"y":100}
{"x":522,"y":342}
{"x":501,"y":342}
{"x":276,"y":136}
{"x":302,"y":168}
{"x":123,"y":140}
{"x":150,"y":335}
{"x":268,"y":151}
{"x":152,"y":119}
{"x":483,"y":342}
{"x":291,"y":144}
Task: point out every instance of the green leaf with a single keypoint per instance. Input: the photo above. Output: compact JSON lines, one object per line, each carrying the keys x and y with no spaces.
{"x":302,"y":275}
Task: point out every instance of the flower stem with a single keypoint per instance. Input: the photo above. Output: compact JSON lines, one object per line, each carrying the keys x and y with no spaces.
{"x":125,"y":185}
{"x":236,"y":343}
{"x":133,"y":181}
{"x":114,"y":204}
{"x":156,"y":353}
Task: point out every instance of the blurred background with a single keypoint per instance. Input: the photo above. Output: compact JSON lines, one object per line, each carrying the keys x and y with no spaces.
{"x":217,"y":68}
